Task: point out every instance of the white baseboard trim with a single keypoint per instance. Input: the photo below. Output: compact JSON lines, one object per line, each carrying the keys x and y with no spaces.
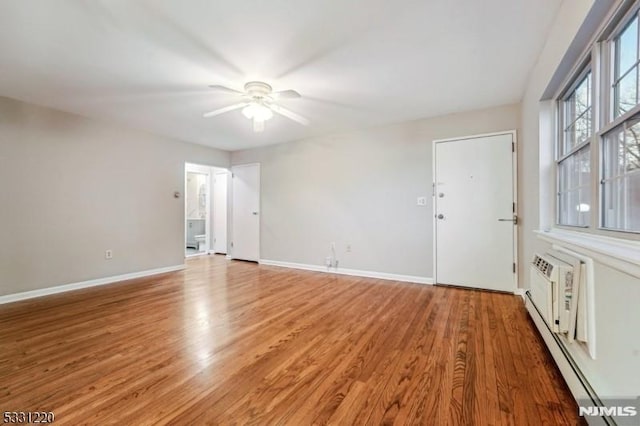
{"x":519,"y":292}
{"x":353,"y":272}
{"x":86,"y":284}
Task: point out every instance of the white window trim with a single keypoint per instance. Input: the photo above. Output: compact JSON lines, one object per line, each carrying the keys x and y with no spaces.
{"x":592,"y":58}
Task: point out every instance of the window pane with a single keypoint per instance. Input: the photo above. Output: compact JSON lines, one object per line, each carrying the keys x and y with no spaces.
{"x":584,"y":207}
{"x":583,"y":129}
{"x":584,"y":166}
{"x":567,"y":175}
{"x":626,"y":92}
{"x":629,"y":151}
{"x":575,"y":171}
{"x":621,"y":178}
{"x":627,"y":46}
{"x":563,"y":208}
{"x":621,"y":152}
{"x":625,"y":79}
{"x":621,"y":208}
{"x":577,"y":116}
{"x":612,"y":166}
{"x":572,"y":205}
{"x":569,"y":139}
{"x":633,"y":203}
{"x":574,"y":189}
{"x":582,"y":96}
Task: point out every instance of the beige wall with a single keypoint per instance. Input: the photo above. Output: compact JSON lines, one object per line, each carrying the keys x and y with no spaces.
{"x":72,"y":187}
{"x":360,"y":189}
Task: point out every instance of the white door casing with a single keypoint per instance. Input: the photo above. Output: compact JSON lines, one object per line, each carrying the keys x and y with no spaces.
{"x":474,"y":206}
{"x":246,"y":212}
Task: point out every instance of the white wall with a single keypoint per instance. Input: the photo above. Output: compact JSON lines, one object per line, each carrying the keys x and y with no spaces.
{"x":72,"y":187}
{"x":360,"y":189}
{"x":615,"y":371}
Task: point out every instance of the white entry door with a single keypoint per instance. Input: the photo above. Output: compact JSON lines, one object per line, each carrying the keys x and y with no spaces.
{"x":245,"y":244}
{"x":474,"y":199}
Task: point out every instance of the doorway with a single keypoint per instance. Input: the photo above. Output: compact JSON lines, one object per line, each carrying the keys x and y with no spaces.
{"x":197,"y":208}
{"x":220,"y":189}
{"x":205,"y":210}
{"x":474,"y":205}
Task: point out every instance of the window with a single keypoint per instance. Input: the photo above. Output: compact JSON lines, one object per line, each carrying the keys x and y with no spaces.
{"x":625,"y":79}
{"x":620,"y":183}
{"x":598,"y":144}
{"x":574,"y":165}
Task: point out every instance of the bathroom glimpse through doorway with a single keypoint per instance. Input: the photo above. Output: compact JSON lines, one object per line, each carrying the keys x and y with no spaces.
{"x":205,"y":210}
{"x":197,"y":209}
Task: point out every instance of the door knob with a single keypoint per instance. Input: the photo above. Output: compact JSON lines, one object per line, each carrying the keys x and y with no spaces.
{"x":514,"y":220}
{"x":440,"y":216}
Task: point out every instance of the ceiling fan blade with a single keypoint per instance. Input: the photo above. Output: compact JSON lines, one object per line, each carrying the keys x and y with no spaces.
{"x":223,"y":110}
{"x":286,"y":94}
{"x":289,"y":114}
{"x":226,"y":89}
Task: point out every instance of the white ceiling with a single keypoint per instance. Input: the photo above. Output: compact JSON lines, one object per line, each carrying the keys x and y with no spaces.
{"x":356,"y":63}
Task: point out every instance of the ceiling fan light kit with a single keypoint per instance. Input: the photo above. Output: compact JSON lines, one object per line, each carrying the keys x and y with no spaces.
{"x":257,"y":112}
{"x":259,"y":104}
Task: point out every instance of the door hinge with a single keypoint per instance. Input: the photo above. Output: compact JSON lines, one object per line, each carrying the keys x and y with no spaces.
{"x":513,"y":208}
{"x":231,"y":243}
{"x":513,"y":147}
{"x":514,"y":267}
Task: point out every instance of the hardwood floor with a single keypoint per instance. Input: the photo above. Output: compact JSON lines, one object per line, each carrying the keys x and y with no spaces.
{"x":227,"y":342}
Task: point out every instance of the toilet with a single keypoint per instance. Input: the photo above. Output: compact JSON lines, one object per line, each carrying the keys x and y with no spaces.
{"x":200,"y":240}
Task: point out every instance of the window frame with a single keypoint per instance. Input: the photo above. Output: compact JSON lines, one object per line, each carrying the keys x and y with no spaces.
{"x":610,"y":122}
{"x":599,"y":58}
{"x":614,"y":58}
{"x":585,"y":70}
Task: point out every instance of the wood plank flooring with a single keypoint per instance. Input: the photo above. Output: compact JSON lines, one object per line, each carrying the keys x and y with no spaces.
{"x":228,"y":342}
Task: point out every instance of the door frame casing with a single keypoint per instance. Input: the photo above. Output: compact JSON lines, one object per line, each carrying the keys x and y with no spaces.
{"x":227,"y":173}
{"x":231,"y":203}
{"x":514,"y":173}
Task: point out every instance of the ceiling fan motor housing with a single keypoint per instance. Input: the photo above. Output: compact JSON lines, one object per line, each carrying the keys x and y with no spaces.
{"x":257,"y":89}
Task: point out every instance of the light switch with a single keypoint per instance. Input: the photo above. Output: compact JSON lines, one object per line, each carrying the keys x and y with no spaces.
{"x":422,"y":201}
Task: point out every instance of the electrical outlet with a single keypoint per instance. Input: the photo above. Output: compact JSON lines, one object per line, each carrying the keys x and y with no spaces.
{"x":328,"y":261}
{"x":108,"y":254}
{"x":421,"y":201}
{"x":348,"y":248}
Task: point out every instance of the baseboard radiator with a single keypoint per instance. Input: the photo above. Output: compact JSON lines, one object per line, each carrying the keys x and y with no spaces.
{"x":560,"y":303}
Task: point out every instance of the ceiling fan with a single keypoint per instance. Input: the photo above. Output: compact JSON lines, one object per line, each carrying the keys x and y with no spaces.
{"x":259,"y":103}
